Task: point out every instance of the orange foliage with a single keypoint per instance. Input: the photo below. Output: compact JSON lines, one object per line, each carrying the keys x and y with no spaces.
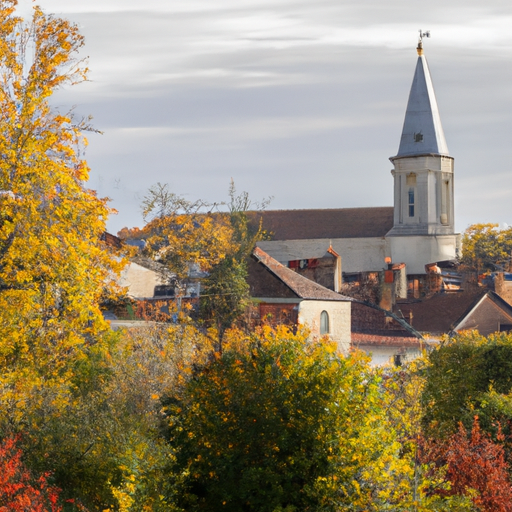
{"x":474,"y":462}
{"x":18,"y":491}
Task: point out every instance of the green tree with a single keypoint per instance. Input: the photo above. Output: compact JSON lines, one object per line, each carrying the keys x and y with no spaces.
{"x":146,"y":364}
{"x":275,"y":423}
{"x":486,"y":247}
{"x":469,"y":375}
{"x":225,"y":295}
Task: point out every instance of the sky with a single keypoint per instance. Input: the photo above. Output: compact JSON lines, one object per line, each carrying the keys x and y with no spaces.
{"x":301,"y":100}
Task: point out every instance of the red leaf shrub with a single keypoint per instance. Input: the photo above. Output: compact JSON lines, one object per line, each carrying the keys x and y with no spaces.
{"x":474,"y":462}
{"x":19,"y":492}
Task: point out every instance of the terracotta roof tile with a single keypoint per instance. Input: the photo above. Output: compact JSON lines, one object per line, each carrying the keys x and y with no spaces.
{"x":301,"y":286}
{"x":328,"y":223}
{"x":439,"y":313}
{"x":111,"y":240}
{"x":388,"y":340}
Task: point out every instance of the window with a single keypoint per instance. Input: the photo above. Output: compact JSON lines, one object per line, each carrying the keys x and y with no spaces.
{"x":411,"y":202}
{"x":324,"y":323}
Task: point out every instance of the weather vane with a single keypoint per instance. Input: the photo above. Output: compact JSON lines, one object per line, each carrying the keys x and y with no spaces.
{"x":423,"y":34}
{"x":420,"y":41}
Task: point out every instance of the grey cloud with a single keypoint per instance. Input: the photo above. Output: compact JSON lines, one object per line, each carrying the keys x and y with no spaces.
{"x":300,"y":100}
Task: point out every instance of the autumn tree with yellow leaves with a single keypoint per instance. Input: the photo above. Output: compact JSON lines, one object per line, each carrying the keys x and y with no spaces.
{"x":186,"y":235}
{"x":53,"y":268}
{"x":486,"y":247}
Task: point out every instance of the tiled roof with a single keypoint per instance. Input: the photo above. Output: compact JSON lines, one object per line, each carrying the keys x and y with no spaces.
{"x":441,"y":312}
{"x":384,"y":339}
{"x":329,"y":223}
{"x":301,"y":286}
{"x":154,"y":266}
{"x":111,"y":240}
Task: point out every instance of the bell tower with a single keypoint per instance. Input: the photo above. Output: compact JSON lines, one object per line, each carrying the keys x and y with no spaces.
{"x":423,"y":167}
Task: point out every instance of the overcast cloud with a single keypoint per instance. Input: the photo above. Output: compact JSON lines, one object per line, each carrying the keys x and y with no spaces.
{"x":300,"y":100}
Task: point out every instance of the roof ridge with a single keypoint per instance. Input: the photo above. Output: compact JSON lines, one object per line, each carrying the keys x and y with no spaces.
{"x":321,"y":209}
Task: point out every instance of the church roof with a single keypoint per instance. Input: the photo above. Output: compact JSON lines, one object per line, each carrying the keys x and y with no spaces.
{"x":328,"y":223}
{"x":422,"y":132}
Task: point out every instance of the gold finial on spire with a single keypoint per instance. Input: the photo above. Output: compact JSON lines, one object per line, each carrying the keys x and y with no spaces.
{"x":419,"y":48}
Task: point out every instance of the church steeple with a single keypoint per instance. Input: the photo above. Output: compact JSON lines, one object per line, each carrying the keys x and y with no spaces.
{"x":422,"y":132}
{"x":423,"y":168}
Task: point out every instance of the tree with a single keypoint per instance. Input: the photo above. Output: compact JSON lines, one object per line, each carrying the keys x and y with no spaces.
{"x":467,"y":375}
{"x":181,"y":232}
{"x":225,"y":295}
{"x":421,"y":483}
{"x":475,"y":466}
{"x":19,"y":491}
{"x":276,"y":423}
{"x":146,"y":364}
{"x":53,"y":268}
{"x":486,"y":247}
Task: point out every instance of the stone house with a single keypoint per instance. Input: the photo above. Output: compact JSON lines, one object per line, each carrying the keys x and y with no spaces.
{"x":283,"y":296}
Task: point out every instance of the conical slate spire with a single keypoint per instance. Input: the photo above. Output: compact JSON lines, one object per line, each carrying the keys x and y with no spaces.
{"x":422,"y":132}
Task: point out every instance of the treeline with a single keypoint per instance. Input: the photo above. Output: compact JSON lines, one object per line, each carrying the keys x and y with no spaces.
{"x":156,"y":419}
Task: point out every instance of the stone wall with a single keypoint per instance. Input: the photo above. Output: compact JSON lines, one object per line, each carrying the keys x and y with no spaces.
{"x":339,"y":320}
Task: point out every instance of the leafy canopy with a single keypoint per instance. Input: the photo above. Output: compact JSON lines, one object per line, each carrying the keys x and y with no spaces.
{"x":277,"y":423}
{"x":486,"y":247}
{"x":53,"y":267}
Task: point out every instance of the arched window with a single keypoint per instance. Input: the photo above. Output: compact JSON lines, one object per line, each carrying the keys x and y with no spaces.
{"x":324,"y":323}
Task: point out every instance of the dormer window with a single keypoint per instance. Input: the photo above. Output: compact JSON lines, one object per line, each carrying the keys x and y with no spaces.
{"x":418,"y":137}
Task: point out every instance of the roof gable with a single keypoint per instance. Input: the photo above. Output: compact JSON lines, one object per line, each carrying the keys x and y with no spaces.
{"x":300,"y":286}
{"x":447,"y":312}
{"x":487,"y":315}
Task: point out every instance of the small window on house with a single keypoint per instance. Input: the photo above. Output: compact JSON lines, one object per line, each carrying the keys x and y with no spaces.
{"x":505,"y":327}
{"x":324,"y":323}
{"x":397,"y":359}
{"x":411,"y":202}
{"x":163,"y":290}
